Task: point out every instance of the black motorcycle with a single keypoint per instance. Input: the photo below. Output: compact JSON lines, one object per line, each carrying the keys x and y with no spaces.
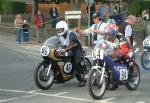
{"x":57,"y":66}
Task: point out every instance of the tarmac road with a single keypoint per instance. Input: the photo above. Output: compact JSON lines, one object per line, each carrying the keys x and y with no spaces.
{"x":17,"y":63}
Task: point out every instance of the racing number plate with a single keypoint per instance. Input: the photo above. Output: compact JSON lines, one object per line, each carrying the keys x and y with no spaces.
{"x":123,"y":74}
{"x":45,"y":51}
{"x":146,"y":43}
{"x":97,"y":54}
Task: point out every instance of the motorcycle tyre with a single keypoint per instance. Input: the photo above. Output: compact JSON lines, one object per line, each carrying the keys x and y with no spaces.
{"x":89,"y":86}
{"x":142,"y":60}
{"x":37,"y":82}
{"x":136,"y":86}
{"x":78,"y":75}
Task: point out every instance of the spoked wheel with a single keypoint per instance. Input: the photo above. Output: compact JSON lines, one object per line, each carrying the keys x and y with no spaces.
{"x":95,"y":89}
{"x":145,"y":60}
{"x":135,"y":78}
{"x":44,"y":75}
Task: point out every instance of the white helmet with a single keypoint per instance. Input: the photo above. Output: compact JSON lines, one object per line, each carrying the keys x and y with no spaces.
{"x":61,"y":28}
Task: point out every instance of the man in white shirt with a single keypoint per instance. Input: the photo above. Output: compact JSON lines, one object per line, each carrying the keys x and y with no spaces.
{"x":96,"y":29}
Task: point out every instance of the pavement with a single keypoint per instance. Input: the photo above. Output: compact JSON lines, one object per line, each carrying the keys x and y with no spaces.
{"x":33,"y":45}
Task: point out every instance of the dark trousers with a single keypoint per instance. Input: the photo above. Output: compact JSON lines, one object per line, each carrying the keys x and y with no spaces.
{"x":79,"y":60}
{"x":54,"y":21}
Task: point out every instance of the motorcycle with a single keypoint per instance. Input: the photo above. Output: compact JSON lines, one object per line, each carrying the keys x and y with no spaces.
{"x":57,"y":67}
{"x":145,"y":58}
{"x":106,"y":70}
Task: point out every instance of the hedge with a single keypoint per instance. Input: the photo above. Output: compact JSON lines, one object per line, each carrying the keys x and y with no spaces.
{"x":137,"y":6}
{"x":11,"y":7}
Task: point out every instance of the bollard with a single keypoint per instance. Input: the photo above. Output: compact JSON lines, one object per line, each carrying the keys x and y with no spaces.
{"x":86,"y":40}
{"x":0,"y":18}
{"x":90,"y":39}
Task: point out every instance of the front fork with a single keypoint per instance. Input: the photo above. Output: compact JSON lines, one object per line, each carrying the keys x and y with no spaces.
{"x":101,"y":70}
{"x":49,"y":69}
{"x":49,"y":65}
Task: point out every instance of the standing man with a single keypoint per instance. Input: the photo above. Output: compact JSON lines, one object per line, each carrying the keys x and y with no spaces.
{"x":126,"y":28}
{"x":39,"y":23}
{"x":54,"y":14}
{"x":96,"y":29}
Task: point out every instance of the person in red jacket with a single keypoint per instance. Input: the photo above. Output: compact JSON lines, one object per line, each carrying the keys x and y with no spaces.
{"x":39,"y":23}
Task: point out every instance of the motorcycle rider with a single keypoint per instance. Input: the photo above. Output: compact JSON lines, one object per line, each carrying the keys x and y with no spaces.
{"x":120,"y":44}
{"x":70,"y":42}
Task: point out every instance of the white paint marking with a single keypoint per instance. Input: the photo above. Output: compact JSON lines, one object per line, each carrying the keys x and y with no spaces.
{"x":5,"y":100}
{"x":105,"y":100}
{"x":140,"y":102}
{"x":56,"y":95}
{"x":34,"y":91}
{"x":28,"y":96}
{"x":27,"y":52}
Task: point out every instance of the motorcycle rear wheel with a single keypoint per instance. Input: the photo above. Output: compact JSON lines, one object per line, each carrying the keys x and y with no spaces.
{"x":145,"y":60}
{"x":42,"y":80}
{"x":88,"y":66}
{"x":95,"y":89}
{"x":134,"y":81}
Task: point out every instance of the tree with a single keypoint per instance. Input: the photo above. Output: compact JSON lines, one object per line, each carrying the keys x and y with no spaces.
{"x":35,"y":6}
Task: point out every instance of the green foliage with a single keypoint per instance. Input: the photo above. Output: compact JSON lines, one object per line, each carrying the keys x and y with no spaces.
{"x":145,"y":5}
{"x":134,"y":8}
{"x":137,"y":6}
{"x":8,"y":6}
{"x":41,"y":1}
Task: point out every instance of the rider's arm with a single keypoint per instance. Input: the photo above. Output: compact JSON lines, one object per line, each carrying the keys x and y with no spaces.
{"x":113,"y":44}
{"x":73,"y":41}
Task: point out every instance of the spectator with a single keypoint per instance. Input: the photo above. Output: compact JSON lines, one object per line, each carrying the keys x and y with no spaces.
{"x":126,"y":28}
{"x":25,"y":32}
{"x":145,"y":14}
{"x":97,"y":29}
{"x":117,"y":15}
{"x":92,"y":11}
{"x":39,"y":22}
{"x":110,"y":9}
{"x":54,"y":14}
{"x":103,"y":11}
{"x":106,"y":10}
{"x":18,"y":27}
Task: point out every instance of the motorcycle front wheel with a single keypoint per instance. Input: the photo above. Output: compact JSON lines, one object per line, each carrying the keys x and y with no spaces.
{"x":145,"y":60}
{"x":95,"y":89}
{"x":44,"y":75}
{"x":134,"y":81}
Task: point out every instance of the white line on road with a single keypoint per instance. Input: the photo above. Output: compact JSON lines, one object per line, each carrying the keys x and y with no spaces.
{"x":11,"y":99}
{"x":140,"y":102}
{"x":58,"y":95}
{"x":27,"y":52}
{"x":34,"y":91}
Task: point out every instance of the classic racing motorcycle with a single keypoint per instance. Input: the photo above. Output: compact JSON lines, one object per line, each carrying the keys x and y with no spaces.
{"x":145,"y":58}
{"x":106,"y":70}
{"x":57,"y":66}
